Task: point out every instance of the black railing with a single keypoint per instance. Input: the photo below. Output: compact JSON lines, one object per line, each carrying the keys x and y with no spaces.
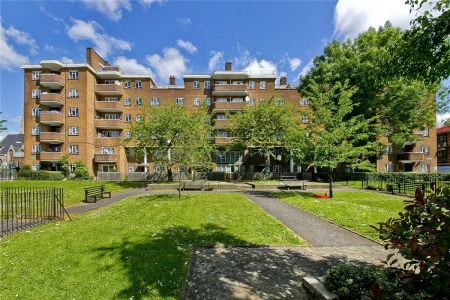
{"x":22,"y":208}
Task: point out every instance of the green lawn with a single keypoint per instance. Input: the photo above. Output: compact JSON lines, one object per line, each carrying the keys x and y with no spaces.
{"x":73,"y":189}
{"x":353,"y":210}
{"x":138,"y":248}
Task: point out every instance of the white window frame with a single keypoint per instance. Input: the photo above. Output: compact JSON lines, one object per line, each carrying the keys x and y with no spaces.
{"x":155,"y":101}
{"x":138,"y":102}
{"x":127,"y":84}
{"x":127,"y":118}
{"x":73,"y":93}
{"x":197,"y":102}
{"x":424,"y":168}
{"x":127,"y":134}
{"x":426,"y":132}
{"x":138,"y":84}
{"x":107,"y":150}
{"x":179,"y":101}
{"x":389,"y":150}
{"x":74,"y":130}
{"x":208,"y":101}
{"x":304,"y":101}
{"x":127,"y":102}
{"x":72,"y":167}
{"x":73,"y":74}
{"x":196,"y":85}
{"x":424,"y":149}
{"x":251,"y":85}
{"x":262,"y":85}
{"x":74,"y":149}
{"x":388,"y":168}
{"x":73,"y":112}
{"x":35,"y":167}
{"x":138,"y":118}
{"x":207,"y":85}
{"x":36,"y":149}
{"x":36,"y":75}
{"x":304,"y":119}
{"x":35,"y":130}
{"x":35,"y":112}
{"x":35,"y":94}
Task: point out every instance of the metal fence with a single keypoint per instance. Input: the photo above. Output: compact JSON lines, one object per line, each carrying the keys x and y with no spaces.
{"x":22,"y":208}
{"x":8,"y":174}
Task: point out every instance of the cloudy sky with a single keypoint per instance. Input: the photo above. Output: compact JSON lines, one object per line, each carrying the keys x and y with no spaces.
{"x":166,"y":38}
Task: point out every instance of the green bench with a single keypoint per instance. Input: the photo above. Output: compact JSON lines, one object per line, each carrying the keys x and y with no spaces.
{"x":95,"y":192}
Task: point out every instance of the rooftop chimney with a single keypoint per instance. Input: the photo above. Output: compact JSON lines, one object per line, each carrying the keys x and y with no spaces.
{"x":283,"y":80}
{"x":228,"y":66}
{"x":172,"y":80}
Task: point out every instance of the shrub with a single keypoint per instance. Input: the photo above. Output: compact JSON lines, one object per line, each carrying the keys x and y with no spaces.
{"x":25,"y":172}
{"x":81,"y":171}
{"x":421,"y":234}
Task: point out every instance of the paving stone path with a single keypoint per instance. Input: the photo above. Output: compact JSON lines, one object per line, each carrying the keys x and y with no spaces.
{"x":316,"y":231}
{"x":267,"y":272}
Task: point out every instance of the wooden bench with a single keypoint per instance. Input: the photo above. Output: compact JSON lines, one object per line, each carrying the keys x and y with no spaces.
{"x":95,"y":192}
{"x":195,"y":186}
{"x":293,"y":184}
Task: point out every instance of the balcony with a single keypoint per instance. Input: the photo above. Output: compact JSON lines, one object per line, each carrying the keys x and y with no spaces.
{"x":51,"y":137}
{"x":221,"y":124}
{"x":224,"y":106}
{"x":109,"y":124}
{"x":51,"y":99}
{"x":109,"y":72}
{"x":50,"y":156}
{"x":105,"y":158}
{"x":230,"y":90}
{"x":109,"y":89}
{"x":53,"y":81}
{"x":52,"y":118}
{"x":408,"y":157}
{"x":223,"y":140}
{"x":109,"y":106}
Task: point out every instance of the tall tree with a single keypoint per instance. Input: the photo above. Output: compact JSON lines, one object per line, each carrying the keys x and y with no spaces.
{"x":171,"y":136}
{"x":337,"y":137}
{"x":264,"y":127}
{"x":2,"y":122}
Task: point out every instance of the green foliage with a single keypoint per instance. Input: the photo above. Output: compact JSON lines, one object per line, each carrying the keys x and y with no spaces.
{"x":63,"y":164}
{"x":2,"y":122}
{"x":27,"y":173}
{"x":265,"y":126}
{"x":421,"y":234}
{"x":81,"y":171}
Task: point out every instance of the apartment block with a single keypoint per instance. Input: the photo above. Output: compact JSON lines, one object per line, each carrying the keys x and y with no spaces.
{"x":443,"y":149}
{"x":85,"y":111}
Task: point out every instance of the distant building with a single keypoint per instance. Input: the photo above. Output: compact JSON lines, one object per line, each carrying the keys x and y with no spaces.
{"x":443,"y":149}
{"x":11,"y":151}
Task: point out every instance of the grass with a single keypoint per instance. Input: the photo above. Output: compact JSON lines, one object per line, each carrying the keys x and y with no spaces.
{"x":352,"y":210}
{"x":73,"y":189}
{"x":138,"y":248}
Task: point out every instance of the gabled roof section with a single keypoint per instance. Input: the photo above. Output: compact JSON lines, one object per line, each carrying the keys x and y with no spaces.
{"x":11,"y":140}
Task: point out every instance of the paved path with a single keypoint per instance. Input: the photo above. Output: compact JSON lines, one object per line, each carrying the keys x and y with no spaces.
{"x":85,"y":207}
{"x":267,"y":272}
{"x":317,"y":232}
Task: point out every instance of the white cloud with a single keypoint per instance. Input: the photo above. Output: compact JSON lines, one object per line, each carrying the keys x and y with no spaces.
{"x":9,"y":58}
{"x":150,"y":2}
{"x":172,"y":62}
{"x":353,"y":17}
{"x":441,"y":119}
{"x":295,"y":63}
{"x":112,"y":9}
{"x":131,"y":66}
{"x":89,"y":30}
{"x":261,"y":66}
{"x":184,"y":21}
{"x":66,"y":60}
{"x":306,"y":68}
{"x":22,"y":38}
{"x":187,"y":45}
{"x":216,"y":58}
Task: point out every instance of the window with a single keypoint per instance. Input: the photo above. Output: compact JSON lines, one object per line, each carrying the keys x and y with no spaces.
{"x":252,"y":101}
{"x":424,"y":149}
{"x":127,"y":102}
{"x":279,"y":101}
{"x":138,"y":118}
{"x":127,"y":134}
{"x":128,"y":118}
{"x":35,"y":94}
{"x":111,"y":117}
{"x":73,"y":74}
{"x":36,"y":75}
{"x":73,"y":130}
{"x":251,"y":85}
{"x":207,"y":85}
{"x":73,"y":112}
{"x":138,"y":84}
{"x":222,"y":133}
{"x":73,"y":149}
{"x":221,"y":117}
{"x":426,"y":132}
{"x":304,"y":119}
{"x":277,"y":169}
{"x":35,"y":112}
{"x":35,"y":149}
{"x":108,"y":134}
{"x":155,"y":102}
{"x":262,"y":100}
{"x":237,"y":82}
{"x":221,"y":100}
{"x":108,"y":168}
{"x":196,"y":85}
{"x":239,"y":100}
{"x":389,"y":150}
{"x":130,"y":169}
{"x":72,"y":167}
{"x":262,"y":85}
{"x":35,"y":167}
{"x":179,"y":101}
{"x":138,"y":101}
{"x":35,"y":130}
{"x":208,"y":101}
{"x":424,"y":168}
{"x":111,"y":99}
{"x":389,"y":168}
{"x":197,"y":102}
{"x":127,"y":84}
{"x":304,"y":102}
{"x":73,"y":93}
{"x":107,"y":150}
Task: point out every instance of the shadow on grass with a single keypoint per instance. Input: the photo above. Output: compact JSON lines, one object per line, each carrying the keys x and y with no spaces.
{"x":132,"y":184}
{"x":157,"y":265}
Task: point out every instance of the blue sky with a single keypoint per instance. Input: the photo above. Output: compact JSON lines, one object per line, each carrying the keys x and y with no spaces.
{"x":178,"y":37}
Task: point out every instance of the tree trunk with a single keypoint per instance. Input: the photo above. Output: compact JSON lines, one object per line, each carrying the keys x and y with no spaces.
{"x":330,"y":174}
{"x":267,"y":168}
{"x":169,"y":174}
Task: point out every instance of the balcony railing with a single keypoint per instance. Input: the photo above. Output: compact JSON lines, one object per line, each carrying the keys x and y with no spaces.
{"x":105,"y":158}
{"x":411,"y":156}
{"x":51,"y":99}
{"x":50,"y":80}
{"x":230,"y":89}
{"x":221,"y":123}
{"x":109,"y":123}
{"x":109,"y":106}
{"x":51,"y":137}
{"x":109,"y":89}
{"x":223,"y":140}
{"x":229,"y":105}
{"x":50,"y":156}
{"x":51,"y":118}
